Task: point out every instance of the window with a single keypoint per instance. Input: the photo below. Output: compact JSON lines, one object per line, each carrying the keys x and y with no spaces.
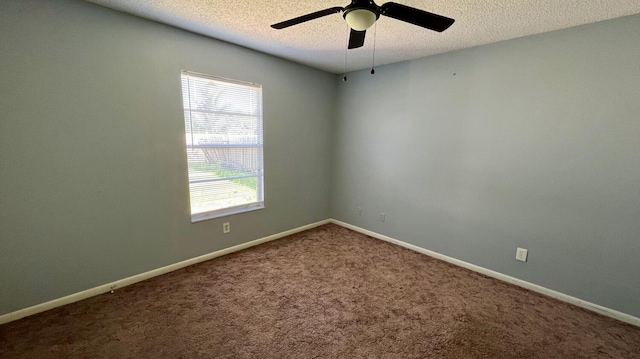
{"x":223,"y":126}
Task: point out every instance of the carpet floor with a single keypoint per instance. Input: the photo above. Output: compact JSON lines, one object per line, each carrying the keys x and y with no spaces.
{"x":324,"y":293}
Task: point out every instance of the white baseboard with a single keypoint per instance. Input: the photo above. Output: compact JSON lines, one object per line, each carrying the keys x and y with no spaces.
{"x":9,"y":317}
{"x":627,"y":318}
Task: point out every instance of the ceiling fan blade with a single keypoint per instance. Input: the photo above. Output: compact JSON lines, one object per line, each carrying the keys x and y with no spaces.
{"x":416,"y":16}
{"x":356,"y":39}
{"x":304,"y":18}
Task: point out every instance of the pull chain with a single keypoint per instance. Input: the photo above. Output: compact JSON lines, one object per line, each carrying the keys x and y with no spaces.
{"x":345,"y":55}
{"x":373,"y":60}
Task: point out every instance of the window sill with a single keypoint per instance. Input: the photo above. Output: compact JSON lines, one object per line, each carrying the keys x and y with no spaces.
{"x":199,"y":217}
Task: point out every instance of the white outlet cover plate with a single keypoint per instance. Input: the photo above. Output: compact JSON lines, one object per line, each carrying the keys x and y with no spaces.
{"x":521,"y":254}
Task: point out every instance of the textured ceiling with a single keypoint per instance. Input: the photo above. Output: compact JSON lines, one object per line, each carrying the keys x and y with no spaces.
{"x":321,"y":43}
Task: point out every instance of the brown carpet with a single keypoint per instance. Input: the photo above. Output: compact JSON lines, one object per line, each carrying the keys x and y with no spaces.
{"x":325,"y":293}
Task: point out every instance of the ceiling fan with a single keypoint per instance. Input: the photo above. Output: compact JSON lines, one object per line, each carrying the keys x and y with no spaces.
{"x":361,"y":14}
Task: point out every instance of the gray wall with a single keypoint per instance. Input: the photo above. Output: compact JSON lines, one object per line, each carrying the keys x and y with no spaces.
{"x":93,"y":172}
{"x":534,"y":142}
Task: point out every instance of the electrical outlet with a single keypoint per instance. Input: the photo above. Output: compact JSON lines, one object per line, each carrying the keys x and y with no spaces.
{"x":359,"y":211}
{"x":226,"y":227}
{"x":521,"y":254}
{"x":382,"y":217}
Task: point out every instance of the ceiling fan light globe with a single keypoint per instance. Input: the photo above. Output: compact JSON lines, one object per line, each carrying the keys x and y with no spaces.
{"x":360,"y":19}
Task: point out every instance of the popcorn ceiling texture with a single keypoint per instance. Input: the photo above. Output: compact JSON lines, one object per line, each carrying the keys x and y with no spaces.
{"x":321,"y":43}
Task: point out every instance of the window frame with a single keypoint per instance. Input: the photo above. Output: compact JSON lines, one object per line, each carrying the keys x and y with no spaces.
{"x":230,"y":210}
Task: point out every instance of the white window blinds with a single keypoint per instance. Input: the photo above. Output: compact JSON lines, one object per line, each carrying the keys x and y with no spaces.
{"x":223,"y":126}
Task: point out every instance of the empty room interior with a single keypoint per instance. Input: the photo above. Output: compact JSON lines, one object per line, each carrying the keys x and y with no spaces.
{"x":380,"y":187}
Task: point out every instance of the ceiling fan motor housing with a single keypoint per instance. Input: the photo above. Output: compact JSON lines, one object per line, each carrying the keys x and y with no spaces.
{"x":361,"y":14}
